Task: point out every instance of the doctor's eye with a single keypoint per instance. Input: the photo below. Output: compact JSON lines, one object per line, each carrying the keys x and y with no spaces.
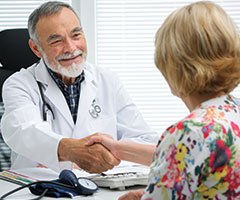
{"x":78,"y":36}
{"x":56,"y":42}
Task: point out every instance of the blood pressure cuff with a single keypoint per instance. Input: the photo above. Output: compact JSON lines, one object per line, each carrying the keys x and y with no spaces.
{"x":54,"y":190}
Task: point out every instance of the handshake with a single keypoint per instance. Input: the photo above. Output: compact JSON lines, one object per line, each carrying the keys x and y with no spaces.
{"x":94,"y":154}
{"x":100,"y":152}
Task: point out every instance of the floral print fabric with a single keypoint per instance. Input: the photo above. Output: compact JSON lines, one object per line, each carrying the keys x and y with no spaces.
{"x":199,"y":156}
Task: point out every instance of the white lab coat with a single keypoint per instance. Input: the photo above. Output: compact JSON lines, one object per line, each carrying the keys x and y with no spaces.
{"x":35,"y":141}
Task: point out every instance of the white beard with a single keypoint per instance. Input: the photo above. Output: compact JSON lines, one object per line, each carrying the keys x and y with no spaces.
{"x":72,"y":71}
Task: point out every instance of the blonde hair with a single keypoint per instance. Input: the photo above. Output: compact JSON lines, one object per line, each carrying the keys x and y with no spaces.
{"x":197,"y":50}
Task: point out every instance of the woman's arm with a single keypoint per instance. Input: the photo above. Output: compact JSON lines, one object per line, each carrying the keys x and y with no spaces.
{"x":124,"y":150}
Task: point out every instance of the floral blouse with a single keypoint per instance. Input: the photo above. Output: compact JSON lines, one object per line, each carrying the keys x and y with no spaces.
{"x":199,"y":156}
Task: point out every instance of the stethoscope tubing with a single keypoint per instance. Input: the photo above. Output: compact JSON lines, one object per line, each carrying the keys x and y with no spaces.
{"x":45,"y":106}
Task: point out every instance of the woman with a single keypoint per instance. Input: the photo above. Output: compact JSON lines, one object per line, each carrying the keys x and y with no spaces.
{"x":198,"y":53}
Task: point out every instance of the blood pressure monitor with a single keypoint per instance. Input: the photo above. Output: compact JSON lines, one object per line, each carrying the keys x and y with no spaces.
{"x":87,"y":186}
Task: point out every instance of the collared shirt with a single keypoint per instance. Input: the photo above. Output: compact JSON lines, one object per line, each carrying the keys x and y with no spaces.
{"x":71,"y":92}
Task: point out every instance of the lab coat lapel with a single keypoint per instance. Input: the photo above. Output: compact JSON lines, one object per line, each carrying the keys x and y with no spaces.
{"x":88,"y":94}
{"x":52,"y":93}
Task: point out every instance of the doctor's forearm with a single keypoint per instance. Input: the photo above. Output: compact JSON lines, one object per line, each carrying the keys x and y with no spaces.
{"x":70,"y":149}
{"x":63,"y":149}
{"x":134,"y":152}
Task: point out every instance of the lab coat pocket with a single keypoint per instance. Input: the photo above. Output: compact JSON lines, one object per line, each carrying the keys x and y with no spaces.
{"x":106,"y":125}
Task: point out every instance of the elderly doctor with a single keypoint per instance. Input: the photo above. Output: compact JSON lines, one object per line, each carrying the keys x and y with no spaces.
{"x":53,"y":107}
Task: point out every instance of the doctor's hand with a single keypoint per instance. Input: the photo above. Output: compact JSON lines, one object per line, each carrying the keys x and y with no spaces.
{"x":132,"y":195}
{"x":93,"y":159}
{"x":105,"y":140}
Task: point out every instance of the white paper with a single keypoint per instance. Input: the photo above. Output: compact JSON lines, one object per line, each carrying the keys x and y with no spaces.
{"x":38,"y":173}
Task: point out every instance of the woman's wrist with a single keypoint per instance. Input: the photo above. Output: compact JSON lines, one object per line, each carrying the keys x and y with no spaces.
{"x":116,"y":149}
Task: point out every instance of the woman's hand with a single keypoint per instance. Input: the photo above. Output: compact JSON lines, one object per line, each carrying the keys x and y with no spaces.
{"x":124,"y":150}
{"x":105,"y":140}
{"x":132,"y":195}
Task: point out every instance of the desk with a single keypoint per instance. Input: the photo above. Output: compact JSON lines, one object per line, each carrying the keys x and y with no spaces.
{"x":102,"y":194}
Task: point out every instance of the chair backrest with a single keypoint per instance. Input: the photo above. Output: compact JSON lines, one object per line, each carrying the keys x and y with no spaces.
{"x":14,"y":53}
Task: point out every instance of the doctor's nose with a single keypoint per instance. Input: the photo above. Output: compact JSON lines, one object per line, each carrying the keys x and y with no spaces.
{"x":69,"y":46}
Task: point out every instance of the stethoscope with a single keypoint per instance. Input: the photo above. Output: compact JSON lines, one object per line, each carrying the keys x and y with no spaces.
{"x":93,"y":111}
{"x":45,"y":107}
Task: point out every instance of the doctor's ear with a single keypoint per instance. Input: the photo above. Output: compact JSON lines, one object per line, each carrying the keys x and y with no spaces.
{"x":35,"y":48}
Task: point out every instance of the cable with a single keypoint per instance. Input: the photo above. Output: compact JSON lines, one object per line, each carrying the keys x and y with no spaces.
{"x":41,"y":196}
{"x":37,"y":182}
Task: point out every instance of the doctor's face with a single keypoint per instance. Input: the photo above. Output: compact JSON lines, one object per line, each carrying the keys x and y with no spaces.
{"x":62,"y":43}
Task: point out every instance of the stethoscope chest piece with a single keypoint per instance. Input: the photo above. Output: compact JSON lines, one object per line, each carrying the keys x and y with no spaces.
{"x":94,"y":109}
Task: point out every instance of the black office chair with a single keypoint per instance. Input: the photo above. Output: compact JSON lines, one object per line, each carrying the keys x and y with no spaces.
{"x":14,"y":55}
